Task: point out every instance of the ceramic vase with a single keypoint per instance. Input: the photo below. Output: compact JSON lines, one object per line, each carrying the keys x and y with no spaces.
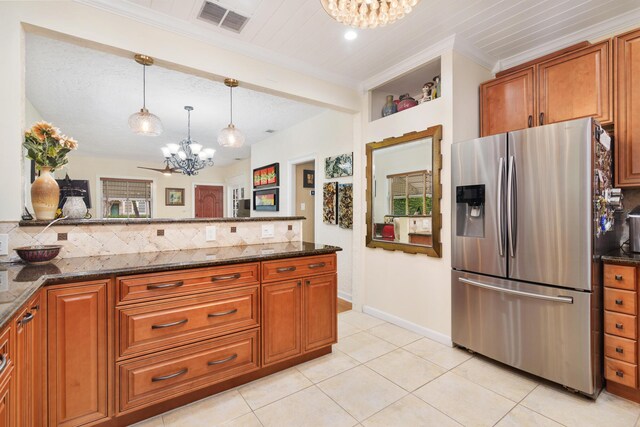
{"x":406,"y":102}
{"x":45,"y":195}
{"x":74,"y":207}
{"x":389,"y":107}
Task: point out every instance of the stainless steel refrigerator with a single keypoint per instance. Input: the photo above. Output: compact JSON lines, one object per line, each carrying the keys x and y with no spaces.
{"x":529,"y":220}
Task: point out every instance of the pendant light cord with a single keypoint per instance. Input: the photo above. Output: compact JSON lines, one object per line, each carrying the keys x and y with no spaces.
{"x":231,"y":90}
{"x":189,"y":125}
{"x":144,"y":87}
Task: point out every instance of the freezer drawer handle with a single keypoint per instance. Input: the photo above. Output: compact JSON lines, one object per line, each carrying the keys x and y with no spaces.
{"x":620,"y":374}
{"x":619,"y":350}
{"x":619,"y":326}
{"x":618,"y":277}
{"x":618,"y":302}
{"x":559,"y":298}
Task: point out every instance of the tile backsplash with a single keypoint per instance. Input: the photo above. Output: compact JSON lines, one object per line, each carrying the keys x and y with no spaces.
{"x":111,"y":239}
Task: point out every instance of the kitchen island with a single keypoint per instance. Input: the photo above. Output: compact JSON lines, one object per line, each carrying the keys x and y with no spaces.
{"x":117,"y":339}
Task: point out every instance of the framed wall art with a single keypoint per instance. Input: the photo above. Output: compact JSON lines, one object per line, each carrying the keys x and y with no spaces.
{"x":174,"y":196}
{"x":308,"y":178}
{"x":338,"y":166}
{"x":345,"y":206}
{"x":330,"y":203}
{"x":266,"y":200}
{"x":266,"y":176}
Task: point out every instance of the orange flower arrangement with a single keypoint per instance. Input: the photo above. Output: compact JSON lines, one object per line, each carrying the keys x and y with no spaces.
{"x":47,"y":146}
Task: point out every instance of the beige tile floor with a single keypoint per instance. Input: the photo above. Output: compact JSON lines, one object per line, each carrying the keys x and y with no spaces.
{"x":382,"y":375}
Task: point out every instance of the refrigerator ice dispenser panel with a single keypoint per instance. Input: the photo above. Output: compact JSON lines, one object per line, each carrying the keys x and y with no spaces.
{"x":470,"y":210}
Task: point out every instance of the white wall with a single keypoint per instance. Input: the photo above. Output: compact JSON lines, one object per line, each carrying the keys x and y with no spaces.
{"x":120,"y":33}
{"x":327,"y":134}
{"x":415,"y":289}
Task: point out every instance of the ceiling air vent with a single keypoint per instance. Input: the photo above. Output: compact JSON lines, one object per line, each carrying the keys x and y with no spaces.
{"x":222,"y":17}
{"x":270,"y":131}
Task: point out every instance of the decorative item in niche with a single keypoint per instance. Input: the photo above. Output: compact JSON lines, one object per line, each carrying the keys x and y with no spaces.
{"x":266,"y":176}
{"x":338,"y":166}
{"x":406,"y":102}
{"x":48,"y":148}
{"x":345,"y":206}
{"x":330,"y":203}
{"x":436,"y":88}
{"x":174,"y":196}
{"x":389,"y":107}
{"x":308,"y":178}
{"x":266,"y":200}
{"x":427,"y":92}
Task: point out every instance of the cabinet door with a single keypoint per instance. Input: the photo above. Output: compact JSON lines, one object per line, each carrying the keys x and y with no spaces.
{"x":627,"y":101}
{"x":282,"y":317}
{"x":576,"y":85}
{"x":507,"y":103}
{"x":7,"y":404}
{"x":78,"y":353}
{"x":29,"y":364}
{"x":320,"y":311}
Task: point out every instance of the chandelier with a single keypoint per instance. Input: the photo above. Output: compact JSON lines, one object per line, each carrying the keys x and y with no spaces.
{"x":368,"y":13}
{"x":143,"y":122}
{"x":188,"y":156}
{"x":230,"y":136}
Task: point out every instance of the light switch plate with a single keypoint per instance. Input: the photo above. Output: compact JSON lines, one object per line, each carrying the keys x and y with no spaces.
{"x":4,"y":281}
{"x":268,"y":231}
{"x":210,"y":233}
{"x":303,"y":206}
{"x":4,"y":244}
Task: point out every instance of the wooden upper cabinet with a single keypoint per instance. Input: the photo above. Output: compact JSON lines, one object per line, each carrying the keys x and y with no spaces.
{"x":627,"y":107}
{"x":282,"y":320}
{"x":576,"y":85}
{"x":78,"y":329}
{"x":320,"y":311}
{"x":507,"y":103}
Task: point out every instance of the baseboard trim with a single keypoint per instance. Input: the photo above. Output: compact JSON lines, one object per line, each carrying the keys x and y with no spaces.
{"x":429,"y":333}
{"x":345,"y":296}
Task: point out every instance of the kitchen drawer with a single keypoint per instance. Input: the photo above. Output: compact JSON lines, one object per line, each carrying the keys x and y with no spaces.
{"x":620,"y":348}
{"x":620,"y":301}
{"x":155,"y":286}
{"x":158,"y":325}
{"x":298,"y":267}
{"x":149,"y":380}
{"x":620,"y":277}
{"x":621,"y":325}
{"x":621,"y":372}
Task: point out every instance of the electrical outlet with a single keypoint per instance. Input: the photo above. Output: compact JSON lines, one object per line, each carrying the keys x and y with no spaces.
{"x":4,"y":281}
{"x":425,"y":223}
{"x":210,"y":233}
{"x":268,"y":231}
{"x":4,"y":244}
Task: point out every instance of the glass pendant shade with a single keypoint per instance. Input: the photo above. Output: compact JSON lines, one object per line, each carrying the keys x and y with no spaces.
{"x":145,"y":123}
{"x":368,"y":13}
{"x":230,"y":137}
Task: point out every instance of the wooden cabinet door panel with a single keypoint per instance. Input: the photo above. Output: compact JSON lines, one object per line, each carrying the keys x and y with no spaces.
{"x":7,"y":403}
{"x":78,"y":353}
{"x":281,"y":320}
{"x":627,"y":107}
{"x":507,"y":103}
{"x":576,"y":85}
{"x":320,"y":311}
{"x":29,"y":363}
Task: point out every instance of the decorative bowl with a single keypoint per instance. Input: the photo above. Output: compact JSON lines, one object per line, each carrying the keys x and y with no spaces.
{"x":39,"y":254}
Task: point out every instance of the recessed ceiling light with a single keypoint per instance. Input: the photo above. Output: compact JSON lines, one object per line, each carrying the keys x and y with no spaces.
{"x":351,"y":35}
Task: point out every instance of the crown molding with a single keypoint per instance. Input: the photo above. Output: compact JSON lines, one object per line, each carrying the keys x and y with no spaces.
{"x":602,"y":29}
{"x":478,"y":55}
{"x":165,"y":22}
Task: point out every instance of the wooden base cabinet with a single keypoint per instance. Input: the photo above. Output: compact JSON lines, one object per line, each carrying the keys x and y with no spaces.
{"x":8,"y":401}
{"x":281,"y":320}
{"x":320,"y":311}
{"x":79,"y":324}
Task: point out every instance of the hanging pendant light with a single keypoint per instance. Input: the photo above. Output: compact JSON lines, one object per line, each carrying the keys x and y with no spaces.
{"x":230,"y":136}
{"x":143,"y":122}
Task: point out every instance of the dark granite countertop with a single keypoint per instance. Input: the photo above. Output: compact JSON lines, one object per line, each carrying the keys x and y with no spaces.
{"x":622,"y":256}
{"x":127,"y":221}
{"x":19,"y":281}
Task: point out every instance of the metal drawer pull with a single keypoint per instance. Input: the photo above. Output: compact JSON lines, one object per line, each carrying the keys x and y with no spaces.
{"x":3,"y":362}
{"x":223,"y":313}
{"x":619,"y":326}
{"x":26,"y":319}
{"x":618,"y":302}
{"x":166,"y":285}
{"x":168,"y":325}
{"x":318,"y":265}
{"x":619,"y":350}
{"x":228,"y":277}
{"x":228,"y":359}
{"x":285,"y":269}
{"x":618,"y":277}
{"x":559,"y":298}
{"x":620,"y":374}
{"x":168,"y":377}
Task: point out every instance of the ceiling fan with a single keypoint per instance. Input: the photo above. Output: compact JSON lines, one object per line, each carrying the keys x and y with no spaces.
{"x":166,"y":171}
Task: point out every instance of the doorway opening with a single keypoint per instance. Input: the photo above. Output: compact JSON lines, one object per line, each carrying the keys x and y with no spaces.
{"x":208,"y":201}
{"x":304,"y":198}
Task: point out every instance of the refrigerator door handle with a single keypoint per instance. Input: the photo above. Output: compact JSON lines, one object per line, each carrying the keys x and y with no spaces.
{"x":511,"y":207}
{"x":559,"y":298}
{"x":500,"y":207}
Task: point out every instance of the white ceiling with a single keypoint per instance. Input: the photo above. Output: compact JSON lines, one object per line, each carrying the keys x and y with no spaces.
{"x":90,"y":94}
{"x":300,"y":34}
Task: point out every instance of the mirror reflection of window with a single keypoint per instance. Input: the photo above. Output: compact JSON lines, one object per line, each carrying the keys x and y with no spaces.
{"x":410,"y":193}
{"x":126,"y":198}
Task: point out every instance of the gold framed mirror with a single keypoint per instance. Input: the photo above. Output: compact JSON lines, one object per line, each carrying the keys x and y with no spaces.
{"x":404,"y":193}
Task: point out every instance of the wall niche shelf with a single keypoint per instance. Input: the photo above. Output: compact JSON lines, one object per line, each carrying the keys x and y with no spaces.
{"x":410,"y":82}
